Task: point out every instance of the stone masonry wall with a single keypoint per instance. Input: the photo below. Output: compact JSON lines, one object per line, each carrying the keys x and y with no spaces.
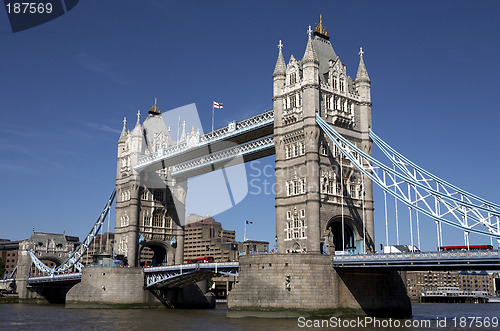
{"x":110,"y":285}
{"x":314,"y":286}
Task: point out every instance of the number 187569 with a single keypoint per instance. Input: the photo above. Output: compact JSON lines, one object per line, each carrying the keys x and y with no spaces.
{"x":476,"y":322}
{"x":29,"y":8}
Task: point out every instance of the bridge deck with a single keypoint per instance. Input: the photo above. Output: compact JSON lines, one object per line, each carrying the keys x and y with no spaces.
{"x":453,"y":260}
{"x":61,"y":278}
{"x":184,"y":274}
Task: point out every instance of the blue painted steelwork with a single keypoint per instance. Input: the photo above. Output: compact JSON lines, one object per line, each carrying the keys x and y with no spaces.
{"x":179,"y":275}
{"x":460,"y":209}
{"x":454,"y":260}
{"x":225,"y":155}
{"x":13,"y":272}
{"x":52,"y":278}
{"x":232,"y":130}
{"x":74,"y":258}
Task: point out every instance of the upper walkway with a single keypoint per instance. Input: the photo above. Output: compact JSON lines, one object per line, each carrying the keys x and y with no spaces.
{"x":250,"y":138}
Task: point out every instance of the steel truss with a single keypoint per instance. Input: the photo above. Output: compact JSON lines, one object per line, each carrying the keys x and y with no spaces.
{"x":181,"y":275}
{"x":73,"y":260}
{"x":224,"y":155}
{"x":419,"y":189}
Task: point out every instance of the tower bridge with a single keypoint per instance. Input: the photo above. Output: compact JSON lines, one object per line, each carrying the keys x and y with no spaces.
{"x":320,"y":132}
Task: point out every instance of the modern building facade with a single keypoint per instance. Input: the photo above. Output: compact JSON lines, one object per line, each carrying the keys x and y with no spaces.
{"x":8,"y":253}
{"x":206,"y":237}
{"x":420,"y":281}
{"x":477,"y":281}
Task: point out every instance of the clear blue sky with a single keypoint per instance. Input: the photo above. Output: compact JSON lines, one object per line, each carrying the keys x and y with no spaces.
{"x":66,"y":86}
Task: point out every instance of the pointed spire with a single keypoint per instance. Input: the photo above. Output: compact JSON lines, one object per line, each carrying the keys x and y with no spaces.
{"x":137,"y":129}
{"x":124,"y":130}
{"x":138,"y":123}
{"x":280,"y":68}
{"x":310,"y":54}
{"x":309,"y":32}
{"x":362,"y":75}
{"x":183,"y":135}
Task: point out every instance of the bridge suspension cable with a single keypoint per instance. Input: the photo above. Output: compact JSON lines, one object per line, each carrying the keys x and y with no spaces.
{"x":462,"y":209}
{"x":74,"y":258}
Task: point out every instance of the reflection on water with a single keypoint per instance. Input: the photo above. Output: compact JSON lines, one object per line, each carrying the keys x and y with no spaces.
{"x":56,"y":317}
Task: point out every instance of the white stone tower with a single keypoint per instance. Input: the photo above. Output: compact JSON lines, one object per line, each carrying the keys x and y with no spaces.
{"x":150,"y":204}
{"x":311,"y":210}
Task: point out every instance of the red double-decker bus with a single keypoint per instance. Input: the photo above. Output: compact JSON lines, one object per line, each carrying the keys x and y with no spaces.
{"x":206,"y":259}
{"x":465,"y":248}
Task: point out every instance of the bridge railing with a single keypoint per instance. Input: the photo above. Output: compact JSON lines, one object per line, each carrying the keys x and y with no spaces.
{"x":186,"y":273}
{"x":192,"y":266}
{"x":74,"y":276}
{"x":418,"y":256}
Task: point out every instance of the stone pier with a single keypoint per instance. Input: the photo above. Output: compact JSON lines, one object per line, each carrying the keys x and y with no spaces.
{"x":114,"y":287}
{"x":292,"y":285}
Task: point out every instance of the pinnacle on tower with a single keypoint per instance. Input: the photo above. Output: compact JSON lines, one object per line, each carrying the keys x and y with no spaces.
{"x":362,"y":75}
{"x":310,"y":54}
{"x":320,"y":30}
{"x":137,"y":129}
{"x":183,"y":135}
{"x":138,"y":123}
{"x":280,"y":68}
{"x":154,"y":109}
{"x":123,"y":135}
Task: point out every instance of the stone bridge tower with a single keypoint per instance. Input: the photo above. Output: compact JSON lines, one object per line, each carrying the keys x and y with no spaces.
{"x":150,"y":204}
{"x":312,"y":214}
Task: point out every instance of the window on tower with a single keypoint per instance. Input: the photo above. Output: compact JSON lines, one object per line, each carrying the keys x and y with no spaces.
{"x":328,"y":102}
{"x":158,"y":220}
{"x":296,"y":228}
{"x":158,"y":195}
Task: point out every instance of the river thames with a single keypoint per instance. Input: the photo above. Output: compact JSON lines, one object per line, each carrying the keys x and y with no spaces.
{"x":56,"y":317}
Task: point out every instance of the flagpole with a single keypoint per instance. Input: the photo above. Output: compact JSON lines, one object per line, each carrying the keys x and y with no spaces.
{"x":245,"y":232}
{"x":213,"y":109}
{"x":178,"y":128}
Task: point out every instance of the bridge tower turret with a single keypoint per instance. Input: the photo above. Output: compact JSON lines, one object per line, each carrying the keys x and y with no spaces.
{"x":316,"y":211}
{"x":150,"y":204}
{"x":362,"y":84}
{"x":130,"y":147}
